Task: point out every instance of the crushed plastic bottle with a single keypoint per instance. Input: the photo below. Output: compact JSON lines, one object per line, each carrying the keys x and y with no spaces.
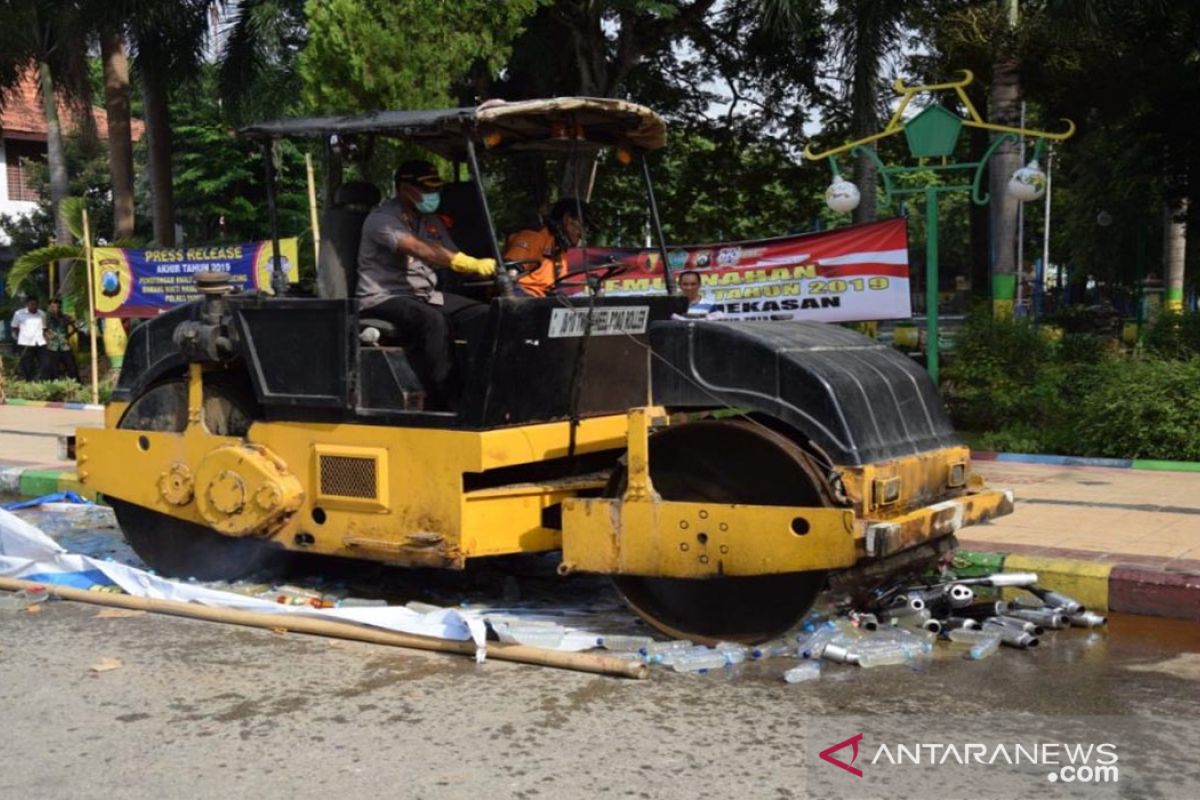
{"x":814,"y":645}
{"x":361,"y":602}
{"x":804,"y":671}
{"x":536,"y":636}
{"x":893,"y":653}
{"x":23,"y":598}
{"x":774,"y":649}
{"x":980,"y":643}
{"x":698,"y":662}
{"x":659,"y":648}
{"x":983,"y":649}
{"x":624,"y":643}
{"x":668,"y":657}
{"x":421,"y":608}
{"x":734,"y":652}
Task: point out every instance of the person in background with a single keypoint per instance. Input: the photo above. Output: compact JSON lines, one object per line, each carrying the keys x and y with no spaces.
{"x":58,"y":359}
{"x":403,"y":244}
{"x":548,"y":245}
{"x":28,"y":326}
{"x":699,"y":306}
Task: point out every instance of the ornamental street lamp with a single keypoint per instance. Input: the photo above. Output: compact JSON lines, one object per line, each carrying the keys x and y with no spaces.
{"x":934,"y":134}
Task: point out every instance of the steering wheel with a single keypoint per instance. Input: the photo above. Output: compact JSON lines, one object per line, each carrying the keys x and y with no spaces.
{"x":594,"y":275}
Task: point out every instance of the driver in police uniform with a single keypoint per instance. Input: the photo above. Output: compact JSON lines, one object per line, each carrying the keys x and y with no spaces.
{"x":548,"y":246}
{"x":403,"y":243}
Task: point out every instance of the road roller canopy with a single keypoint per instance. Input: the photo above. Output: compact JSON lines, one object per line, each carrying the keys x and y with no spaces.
{"x":561,"y":124}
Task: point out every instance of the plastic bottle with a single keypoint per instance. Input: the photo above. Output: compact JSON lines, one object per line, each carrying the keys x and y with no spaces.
{"x":361,"y":602}
{"x":968,"y":636}
{"x":697,"y":662}
{"x":624,"y":643}
{"x":897,"y":653}
{"x":659,"y":648}
{"x":774,"y":649}
{"x":734,"y":652}
{"x":536,"y":636}
{"x":668,"y":658}
{"x":804,"y":671}
{"x":982,"y":650}
{"x":813,"y":645}
{"x":421,"y":608}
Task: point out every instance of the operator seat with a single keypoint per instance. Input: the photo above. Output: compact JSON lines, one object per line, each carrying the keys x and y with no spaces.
{"x":341,"y":233}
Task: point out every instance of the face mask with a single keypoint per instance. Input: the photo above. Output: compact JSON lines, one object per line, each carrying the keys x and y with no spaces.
{"x":429,"y":202}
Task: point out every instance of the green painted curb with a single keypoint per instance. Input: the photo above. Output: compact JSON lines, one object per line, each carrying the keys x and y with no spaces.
{"x":1166,"y":466}
{"x":976,"y":564}
{"x":38,"y":482}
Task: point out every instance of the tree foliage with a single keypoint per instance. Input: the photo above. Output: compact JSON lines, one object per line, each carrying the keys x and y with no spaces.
{"x":371,"y":54}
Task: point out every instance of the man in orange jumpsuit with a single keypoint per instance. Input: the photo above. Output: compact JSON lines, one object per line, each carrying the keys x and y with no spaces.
{"x":548,"y":246}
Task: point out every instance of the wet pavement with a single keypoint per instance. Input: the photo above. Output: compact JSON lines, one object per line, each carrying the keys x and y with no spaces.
{"x":202,"y":710}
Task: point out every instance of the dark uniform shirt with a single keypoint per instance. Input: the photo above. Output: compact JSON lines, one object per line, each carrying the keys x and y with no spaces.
{"x":383,"y":271}
{"x":58,"y":331}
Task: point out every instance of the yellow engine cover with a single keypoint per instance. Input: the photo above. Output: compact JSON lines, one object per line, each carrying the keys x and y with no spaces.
{"x":245,"y":490}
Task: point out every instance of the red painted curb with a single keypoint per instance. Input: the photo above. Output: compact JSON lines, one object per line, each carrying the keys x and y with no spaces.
{"x":1155,"y":593}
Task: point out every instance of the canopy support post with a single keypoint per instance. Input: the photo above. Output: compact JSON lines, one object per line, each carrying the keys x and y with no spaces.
{"x":279,"y":281}
{"x":668,"y":278}
{"x":502,"y":279}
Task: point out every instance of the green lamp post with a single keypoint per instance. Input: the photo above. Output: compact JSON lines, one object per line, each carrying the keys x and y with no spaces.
{"x":932,"y":137}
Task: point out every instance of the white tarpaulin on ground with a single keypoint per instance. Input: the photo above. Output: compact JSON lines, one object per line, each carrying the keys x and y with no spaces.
{"x":29,"y":554}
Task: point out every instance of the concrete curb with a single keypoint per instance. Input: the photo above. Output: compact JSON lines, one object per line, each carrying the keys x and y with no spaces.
{"x":1083,"y":461}
{"x":1103,"y":582}
{"x":37,"y":481}
{"x":17,"y":401}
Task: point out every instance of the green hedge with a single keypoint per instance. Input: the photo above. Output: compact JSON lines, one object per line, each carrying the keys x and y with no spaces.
{"x":62,"y":390}
{"x":1013,"y":389}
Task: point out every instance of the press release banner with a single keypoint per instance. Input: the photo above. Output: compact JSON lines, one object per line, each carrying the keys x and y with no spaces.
{"x":144,"y":283}
{"x":845,"y":275}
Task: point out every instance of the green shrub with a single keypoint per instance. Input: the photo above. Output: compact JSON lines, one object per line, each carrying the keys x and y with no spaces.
{"x":1140,"y":409}
{"x":1174,"y":335}
{"x":61,"y":390}
{"x":998,"y":375}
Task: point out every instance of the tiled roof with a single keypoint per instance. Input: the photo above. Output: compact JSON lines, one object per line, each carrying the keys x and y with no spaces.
{"x":21,"y":114}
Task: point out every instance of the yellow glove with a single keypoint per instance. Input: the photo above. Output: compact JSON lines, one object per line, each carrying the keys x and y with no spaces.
{"x":483,"y":267}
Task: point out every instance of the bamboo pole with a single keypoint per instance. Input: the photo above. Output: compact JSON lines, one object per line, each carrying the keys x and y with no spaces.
{"x":92,"y":327}
{"x":312,"y":208}
{"x":581,"y":662}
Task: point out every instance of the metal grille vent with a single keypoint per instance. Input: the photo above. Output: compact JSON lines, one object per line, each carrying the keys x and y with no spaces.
{"x":346,"y":476}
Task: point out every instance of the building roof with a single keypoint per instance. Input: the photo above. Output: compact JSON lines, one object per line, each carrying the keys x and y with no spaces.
{"x":21,"y":114}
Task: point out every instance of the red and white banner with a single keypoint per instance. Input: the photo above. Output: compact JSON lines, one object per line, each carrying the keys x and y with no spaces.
{"x":844,"y":275}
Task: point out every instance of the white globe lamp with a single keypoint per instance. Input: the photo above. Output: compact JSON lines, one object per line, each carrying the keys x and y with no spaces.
{"x":1028,"y":183}
{"x":842,"y":196}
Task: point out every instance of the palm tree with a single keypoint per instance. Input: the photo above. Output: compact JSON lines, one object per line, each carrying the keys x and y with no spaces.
{"x":120,"y":126}
{"x":867,"y":31}
{"x":1004,"y":105}
{"x":258,"y":77}
{"x":168,"y":38}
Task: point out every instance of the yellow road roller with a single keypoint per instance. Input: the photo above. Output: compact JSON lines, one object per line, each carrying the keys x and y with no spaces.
{"x":722,"y":473}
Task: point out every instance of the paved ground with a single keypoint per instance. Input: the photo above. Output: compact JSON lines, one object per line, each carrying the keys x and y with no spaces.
{"x":200,"y":710}
{"x":1143,"y":515}
{"x":29,"y":434}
